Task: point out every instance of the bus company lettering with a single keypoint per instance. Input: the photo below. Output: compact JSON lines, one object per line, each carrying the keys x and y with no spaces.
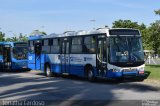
{"x":87,"y":59}
{"x":75,"y":59}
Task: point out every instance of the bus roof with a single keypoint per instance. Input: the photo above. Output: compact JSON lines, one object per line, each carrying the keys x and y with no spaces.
{"x":11,"y":43}
{"x":107,"y":31}
{"x":34,"y":37}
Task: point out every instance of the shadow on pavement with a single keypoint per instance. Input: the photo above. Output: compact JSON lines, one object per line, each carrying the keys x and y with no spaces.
{"x":70,"y":89}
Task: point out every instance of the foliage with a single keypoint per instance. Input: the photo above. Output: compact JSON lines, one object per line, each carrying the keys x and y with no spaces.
{"x":146,"y":36}
{"x":37,"y":32}
{"x":142,"y":27}
{"x":2,"y":36}
{"x":125,"y":24}
{"x":21,"y":37}
{"x":155,"y":36}
{"x":157,"y":12}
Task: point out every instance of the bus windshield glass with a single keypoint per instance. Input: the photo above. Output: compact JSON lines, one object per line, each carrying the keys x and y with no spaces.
{"x":20,"y":53}
{"x":126,"y":49}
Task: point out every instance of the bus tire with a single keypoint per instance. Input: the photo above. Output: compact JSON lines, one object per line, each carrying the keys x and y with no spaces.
{"x":90,"y":75}
{"x":48,"y":71}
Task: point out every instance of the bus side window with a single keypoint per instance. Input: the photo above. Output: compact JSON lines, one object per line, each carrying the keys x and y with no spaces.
{"x":99,"y":50}
{"x":89,"y":44}
{"x":31,"y":46}
{"x":55,"y":46}
{"x":45,"y":46}
{"x":76,"y":46}
{"x":105,"y":51}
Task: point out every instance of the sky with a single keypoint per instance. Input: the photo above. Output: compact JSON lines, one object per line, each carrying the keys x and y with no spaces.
{"x":58,"y":16}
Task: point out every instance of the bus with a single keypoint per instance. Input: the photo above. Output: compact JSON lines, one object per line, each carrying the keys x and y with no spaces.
{"x":13,"y":56}
{"x":100,"y":53}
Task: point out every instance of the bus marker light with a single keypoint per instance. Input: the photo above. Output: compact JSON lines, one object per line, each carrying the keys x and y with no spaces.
{"x":141,"y":72}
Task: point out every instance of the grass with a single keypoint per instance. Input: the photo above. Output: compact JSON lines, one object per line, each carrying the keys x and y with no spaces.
{"x":154,"y":71}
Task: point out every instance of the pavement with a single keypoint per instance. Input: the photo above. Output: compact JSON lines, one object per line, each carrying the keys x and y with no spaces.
{"x":64,"y":91}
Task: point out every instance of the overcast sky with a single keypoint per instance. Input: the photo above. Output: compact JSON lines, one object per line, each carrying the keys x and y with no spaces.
{"x":57,"y":16}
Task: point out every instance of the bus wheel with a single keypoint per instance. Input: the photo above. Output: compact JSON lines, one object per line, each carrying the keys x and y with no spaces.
{"x":90,"y":75}
{"x":48,"y":71}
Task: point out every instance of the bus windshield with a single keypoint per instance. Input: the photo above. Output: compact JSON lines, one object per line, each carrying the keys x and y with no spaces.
{"x":20,"y":53}
{"x":126,"y":49}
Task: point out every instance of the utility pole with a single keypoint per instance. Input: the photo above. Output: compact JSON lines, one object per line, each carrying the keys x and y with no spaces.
{"x":93,"y":21}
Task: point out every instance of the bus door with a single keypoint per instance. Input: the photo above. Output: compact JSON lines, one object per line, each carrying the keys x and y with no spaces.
{"x":1,"y":57}
{"x":65,"y":59}
{"x":7,"y":57}
{"x":38,"y":48}
{"x":102,"y":56}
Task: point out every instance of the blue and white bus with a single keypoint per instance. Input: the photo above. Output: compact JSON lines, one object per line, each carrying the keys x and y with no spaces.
{"x":101,"y":53}
{"x":13,"y":56}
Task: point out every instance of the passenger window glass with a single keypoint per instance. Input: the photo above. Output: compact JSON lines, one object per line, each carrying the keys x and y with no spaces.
{"x":55,"y":48}
{"x":76,"y":46}
{"x":89,"y":44}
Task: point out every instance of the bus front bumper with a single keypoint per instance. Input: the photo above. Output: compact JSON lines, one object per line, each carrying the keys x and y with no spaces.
{"x":20,"y":65}
{"x":134,"y":74}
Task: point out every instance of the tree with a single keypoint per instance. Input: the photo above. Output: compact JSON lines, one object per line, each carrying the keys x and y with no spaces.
{"x":2,"y":36}
{"x":125,"y":24}
{"x":44,"y":33}
{"x":146,"y":38}
{"x":23,"y":37}
{"x":37,"y":32}
{"x":157,"y":12}
{"x":14,"y":39}
{"x":155,"y":36}
{"x":8,"y":40}
{"x":142,"y":27}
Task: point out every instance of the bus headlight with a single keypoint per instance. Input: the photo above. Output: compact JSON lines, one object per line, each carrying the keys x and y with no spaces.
{"x":141,"y":69}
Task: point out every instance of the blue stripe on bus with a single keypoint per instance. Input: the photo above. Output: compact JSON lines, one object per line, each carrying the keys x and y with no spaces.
{"x":111,"y":74}
{"x":56,"y":68}
{"x":77,"y":70}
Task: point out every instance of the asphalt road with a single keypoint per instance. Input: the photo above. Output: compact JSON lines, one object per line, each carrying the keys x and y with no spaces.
{"x":72,"y":90}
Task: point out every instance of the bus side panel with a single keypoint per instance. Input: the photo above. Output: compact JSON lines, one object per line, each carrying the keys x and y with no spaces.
{"x":19,"y":64}
{"x":78,"y":62}
{"x":38,"y":61}
{"x":55,"y":62}
{"x":1,"y":62}
{"x":111,"y":74}
{"x":31,"y":61}
{"x":56,"y":68}
{"x":43,"y":61}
